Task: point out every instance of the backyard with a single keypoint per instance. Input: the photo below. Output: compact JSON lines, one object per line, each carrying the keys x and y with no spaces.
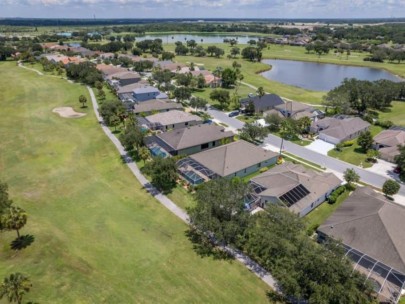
{"x":99,"y":237}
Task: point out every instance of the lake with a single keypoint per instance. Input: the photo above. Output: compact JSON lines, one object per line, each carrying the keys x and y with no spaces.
{"x":208,"y":38}
{"x":320,"y":76}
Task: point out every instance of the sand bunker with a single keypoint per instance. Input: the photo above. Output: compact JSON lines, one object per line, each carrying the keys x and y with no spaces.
{"x":68,"y":112}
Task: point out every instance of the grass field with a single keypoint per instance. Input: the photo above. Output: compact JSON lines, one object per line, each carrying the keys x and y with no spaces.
{"x":319,"y":215}
{"x":99,"y":237}
{"x":354,"y":154}
{"x":396,"y":113}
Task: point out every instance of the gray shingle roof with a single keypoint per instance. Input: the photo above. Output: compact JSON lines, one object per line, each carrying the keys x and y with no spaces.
{"x":172,"y":117}
{"x":340,"y":128}
{"x":283,"y":178}
{"x":264,"y":102}
{"x":370,"y":223}
{"x":231,"y":158}
{"x":194,"y":136}
{"x":156,"y":105}
{"x":391,"y":138}
{"x":146,"y":89}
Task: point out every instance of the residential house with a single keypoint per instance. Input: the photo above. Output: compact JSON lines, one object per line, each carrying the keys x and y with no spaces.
{"x":147,"y":93}
{"x":298,"y":188}
{"x":190,"y":140}
{"x":339,"y":128}
{"x":155,"y":105}
{"x":236,"y":159}
{"x":211,"y":80}
{"x":292,"y":108}
{"x":123,"y":78}
{"x":264,"y":103}
{"x":387,"y":142}
{"x":109,"y":69}
{"x":174,"y":119}
{"x":125,"y":93}
{"x":371,"y":230}
{"x":174,"y":67}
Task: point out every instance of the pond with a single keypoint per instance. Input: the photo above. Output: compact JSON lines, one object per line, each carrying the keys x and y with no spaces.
{"x":208,"y":38}
{"x":320,"y":76}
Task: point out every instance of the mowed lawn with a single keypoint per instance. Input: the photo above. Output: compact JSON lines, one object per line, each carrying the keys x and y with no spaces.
{"x":99,"y":237}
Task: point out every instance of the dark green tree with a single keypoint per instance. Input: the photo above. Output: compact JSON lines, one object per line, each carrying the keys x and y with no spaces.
{"x":365,"y":141}
{"x":390,"y":187}
{"x":222,"y":96}
{"x":163,"y":173}
{"x":219,"y":209}
{"x":14,"y":287}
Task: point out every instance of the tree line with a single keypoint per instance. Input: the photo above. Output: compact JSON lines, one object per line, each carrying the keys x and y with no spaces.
{"x":276,"y":239}
{"x":14,"y":218}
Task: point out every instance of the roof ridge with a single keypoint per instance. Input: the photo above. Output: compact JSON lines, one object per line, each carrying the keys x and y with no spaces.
{"x":389,"y":236}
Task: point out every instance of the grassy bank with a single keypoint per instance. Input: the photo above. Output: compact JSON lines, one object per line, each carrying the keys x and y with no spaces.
{"x":99,"y":237}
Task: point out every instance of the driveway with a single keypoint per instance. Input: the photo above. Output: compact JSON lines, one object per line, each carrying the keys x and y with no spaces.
{"x":320,"y":146}
{"x":384,"y":168}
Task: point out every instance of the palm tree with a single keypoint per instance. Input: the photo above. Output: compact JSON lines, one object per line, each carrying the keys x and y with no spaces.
{"x":14,"y":218}
{"x":14,"y":287}
{"x":260,"y":91}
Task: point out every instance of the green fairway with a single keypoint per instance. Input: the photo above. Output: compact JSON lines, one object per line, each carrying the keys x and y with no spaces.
{"x":396,"y":113}
{"x":99,"y":237}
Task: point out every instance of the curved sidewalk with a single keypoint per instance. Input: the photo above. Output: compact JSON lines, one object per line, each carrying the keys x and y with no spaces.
{"x":169,"y":204}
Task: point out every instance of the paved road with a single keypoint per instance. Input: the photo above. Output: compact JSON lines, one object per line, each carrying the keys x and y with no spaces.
{"x":334,"y":164}
{"x":165,"y":201}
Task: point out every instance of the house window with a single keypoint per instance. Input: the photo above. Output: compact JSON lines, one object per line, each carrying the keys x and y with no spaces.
{"x":259,"y":165}
{"x":214,"y":143}
{"x":244,"y":171}
{"x":204,"y":146}
{"x":312,"y":205}
{"x":186,"y":123}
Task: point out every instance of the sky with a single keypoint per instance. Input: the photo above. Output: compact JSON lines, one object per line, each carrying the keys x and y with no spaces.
{"x":202,"y":8}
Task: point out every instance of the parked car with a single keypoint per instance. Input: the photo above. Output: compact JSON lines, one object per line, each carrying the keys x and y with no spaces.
{"x":397,"y":170}
{"x":233,"y":114}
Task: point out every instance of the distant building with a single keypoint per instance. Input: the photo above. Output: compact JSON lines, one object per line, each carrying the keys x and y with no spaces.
{"x":371,"y":229}
{"x":174,"y":119}
{"x":265,"y":103}
{"x":155,"y":105}
{"x":191,"y":140}
{"x":236,"y":159}
{"x":339,"y":129}
{"x":298,"y":188}
{"x":147,"y":93}
{"x":123,"y":78}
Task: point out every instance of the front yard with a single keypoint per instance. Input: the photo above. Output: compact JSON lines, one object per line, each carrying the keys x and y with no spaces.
{"x":354,"y":154}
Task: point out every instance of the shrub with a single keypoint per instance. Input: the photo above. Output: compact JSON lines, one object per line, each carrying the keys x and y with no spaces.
{"x":348,"y":143}
{"x":335,"y":194}
{"x":386,"y":124}
{"x":264,"y":169}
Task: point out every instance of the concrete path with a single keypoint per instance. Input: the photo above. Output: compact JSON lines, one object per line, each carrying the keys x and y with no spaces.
{"x":169,"y":204}
{"x":34,"y":70}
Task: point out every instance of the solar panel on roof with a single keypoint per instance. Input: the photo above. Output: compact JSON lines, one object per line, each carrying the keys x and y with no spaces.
{"x":294,"y":195}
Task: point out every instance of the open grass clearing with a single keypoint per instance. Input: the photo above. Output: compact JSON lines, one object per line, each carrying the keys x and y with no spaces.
{"x":99,"y":237}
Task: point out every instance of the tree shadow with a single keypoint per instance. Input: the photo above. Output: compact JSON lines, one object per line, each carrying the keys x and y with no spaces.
{"x":359,"y":150}
{"x":22,"y":242}
{"x":205,"y":247}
